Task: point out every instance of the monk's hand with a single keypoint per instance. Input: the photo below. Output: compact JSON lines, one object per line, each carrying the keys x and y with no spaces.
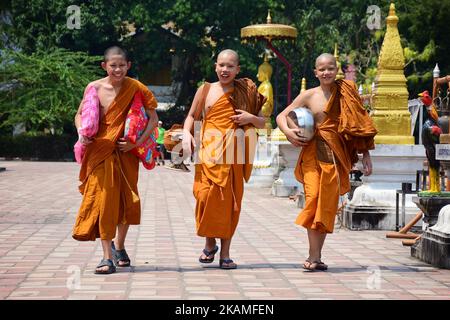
{"x":85,"y":140}
{"x":124,"y":145}
{"x":242,"y":118}
{"x":367,"y":164}
{"x":293,"y":137}
{"x":187,"y":141}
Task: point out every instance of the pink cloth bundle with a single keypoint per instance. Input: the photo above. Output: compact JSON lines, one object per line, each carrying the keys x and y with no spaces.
{"x":90,"y":117}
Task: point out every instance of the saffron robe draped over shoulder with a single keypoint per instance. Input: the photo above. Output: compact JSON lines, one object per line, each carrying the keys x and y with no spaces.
{"x":218,"y":184}
{"x":246,"y":97}
{"x":346,"y":130}
{"x":108,"y":176}
{"x":219,"y":178}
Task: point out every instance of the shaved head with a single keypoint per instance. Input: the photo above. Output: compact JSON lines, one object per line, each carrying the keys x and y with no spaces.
{"x":113,"y":51}
{"x":229,"y":52}
{"x":326,"y":56}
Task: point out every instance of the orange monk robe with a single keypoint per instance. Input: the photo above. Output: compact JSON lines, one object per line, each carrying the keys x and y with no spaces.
{"x":108,"y":176}
{"x":219,"y":178}
{"x":218,"y":184}
{"x":324,"y":165}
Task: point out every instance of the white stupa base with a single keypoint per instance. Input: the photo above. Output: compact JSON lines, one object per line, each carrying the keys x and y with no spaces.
{"x":285,"y":184}
{"x":265,"y":164}
{"x":373,"y":204}
{"x":434,"y":245}
{"x":262,"y":176}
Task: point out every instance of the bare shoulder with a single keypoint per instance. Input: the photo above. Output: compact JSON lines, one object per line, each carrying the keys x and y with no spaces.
{"x":304,"y":97}
{"x":212,"y":86}
{"x":200,"y":88}
{"x":309,"y":92}
{"x":215,"y":84}
{"x":314,"y":91}
{"x":97,"y":84}
{"x":199,"y":91}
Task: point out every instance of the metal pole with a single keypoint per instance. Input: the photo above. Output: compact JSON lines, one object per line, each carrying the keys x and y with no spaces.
{"x":275,"y":91}
{"x":403,"y":209}
{"x":420,"y":123}
{"x":288,"y":67}
{"x":397,"y":212}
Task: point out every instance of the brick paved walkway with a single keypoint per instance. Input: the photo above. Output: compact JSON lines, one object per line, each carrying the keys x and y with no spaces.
{"x":40,"y":260}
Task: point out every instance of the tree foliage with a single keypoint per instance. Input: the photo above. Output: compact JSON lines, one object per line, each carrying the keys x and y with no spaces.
{"x":43,"y":90}
{"x":194,"y":31}
{"x":43,"y":24}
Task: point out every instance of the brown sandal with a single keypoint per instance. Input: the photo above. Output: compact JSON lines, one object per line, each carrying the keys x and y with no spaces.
{"x":321,"y":266}
{"x":310,"y":265}
{"x":227,"y":264}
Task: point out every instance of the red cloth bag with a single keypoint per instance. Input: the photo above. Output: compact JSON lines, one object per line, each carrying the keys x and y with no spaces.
{"x":135,"y":125}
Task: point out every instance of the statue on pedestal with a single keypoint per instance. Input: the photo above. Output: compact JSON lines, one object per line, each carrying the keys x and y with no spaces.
{"x":430,"y":137}
{"x":265,"y":88}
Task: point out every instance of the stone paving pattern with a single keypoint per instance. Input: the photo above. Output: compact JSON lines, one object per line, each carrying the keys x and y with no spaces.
{"x":40,"y":260}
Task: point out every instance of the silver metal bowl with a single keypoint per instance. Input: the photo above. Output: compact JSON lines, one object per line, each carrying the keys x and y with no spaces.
{"x":303,"y":119}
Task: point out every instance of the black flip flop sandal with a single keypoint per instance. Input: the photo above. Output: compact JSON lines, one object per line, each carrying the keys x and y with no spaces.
{"x":207,"y":254}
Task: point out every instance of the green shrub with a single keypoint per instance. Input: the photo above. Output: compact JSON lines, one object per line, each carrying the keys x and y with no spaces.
{"x":43,"y":90}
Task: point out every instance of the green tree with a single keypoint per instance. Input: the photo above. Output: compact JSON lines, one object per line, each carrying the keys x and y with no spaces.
{"x":424,"y":27}
{"x":42,"y":24}
{"x":43,"y":90}
{"x":195,"y":30}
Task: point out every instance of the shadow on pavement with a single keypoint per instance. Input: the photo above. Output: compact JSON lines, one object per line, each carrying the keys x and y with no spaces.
{"x":331,"y":269}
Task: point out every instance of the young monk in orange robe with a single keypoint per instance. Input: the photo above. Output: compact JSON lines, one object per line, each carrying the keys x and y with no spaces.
{"x":230,"y":105}
{"x":343,"y":129}
{"x":109,"y":173}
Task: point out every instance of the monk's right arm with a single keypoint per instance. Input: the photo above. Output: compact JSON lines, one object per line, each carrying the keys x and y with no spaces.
{"x":292,"y":134}
{"x":189,"y":121}
{"x":83,"y":139}
{"x":78,"y":116}
{"x":80,"y":108}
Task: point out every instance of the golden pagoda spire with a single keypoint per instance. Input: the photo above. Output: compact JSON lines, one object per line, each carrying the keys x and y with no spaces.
{"x":269,"y":18}
{"x":390,"y":100}
{"x":303,"y":86}
{"x":340,"y":74}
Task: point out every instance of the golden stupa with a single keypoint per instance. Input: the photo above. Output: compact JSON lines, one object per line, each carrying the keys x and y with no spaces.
{"x":340,"y":74}
{"x":390,"y":100}
{"x":303,"y":85}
